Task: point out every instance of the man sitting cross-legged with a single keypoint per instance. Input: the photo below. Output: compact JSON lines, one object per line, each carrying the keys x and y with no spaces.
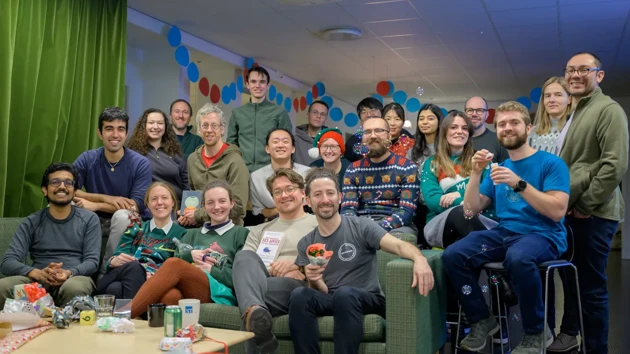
{"x":263,"y":282}
{"x":63,"y":242}
{"x":348,"y":286}
{"x":530,"y":192}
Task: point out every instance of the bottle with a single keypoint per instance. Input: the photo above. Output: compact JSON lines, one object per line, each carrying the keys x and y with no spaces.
{"x":182,"y":247}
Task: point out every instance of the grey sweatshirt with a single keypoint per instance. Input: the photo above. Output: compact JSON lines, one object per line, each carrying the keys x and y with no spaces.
{"x":75,"y":241}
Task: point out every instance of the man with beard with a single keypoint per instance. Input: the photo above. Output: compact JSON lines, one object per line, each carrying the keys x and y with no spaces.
{"x":63,"y":241}
{"x":348,"y":287}
{"x":530,"y":192}
{"x":476,"y":108}
{"x":181,"y":112}
{"x":382,"y":186}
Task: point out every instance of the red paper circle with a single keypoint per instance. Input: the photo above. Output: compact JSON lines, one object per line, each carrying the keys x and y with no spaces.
{"x":490,"y":119}
{"x":303,"y":103}
{"x":215,"y":94}
{"x":255,"y":65}
{"x":245,"y":71}
{"x":204,"y":86}
{"x":315,"y":91}
{"x":382,"y":88}
{"x":296,"y":104}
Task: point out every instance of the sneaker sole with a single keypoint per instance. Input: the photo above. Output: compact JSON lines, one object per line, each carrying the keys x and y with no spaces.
{"x":500,"y":340}
{"x":260,"y":323}
{"x":563,"y":350}
{"x":485,"y":340}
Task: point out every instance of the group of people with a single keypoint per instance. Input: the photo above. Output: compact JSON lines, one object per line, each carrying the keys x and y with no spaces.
{"x":113,"y":217}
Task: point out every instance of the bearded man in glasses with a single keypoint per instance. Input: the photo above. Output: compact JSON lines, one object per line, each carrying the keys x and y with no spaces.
{"x":62,"y":240}
{"x":476,"y":108}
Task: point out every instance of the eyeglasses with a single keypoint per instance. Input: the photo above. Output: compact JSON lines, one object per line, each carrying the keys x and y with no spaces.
{"x":475,"y":110}
{"x":56,"y":182}
{"x":333,"y":148}
{"x":580,"y":71}
{"x":288,"y":190}
{"x":212,"y":126}
{"x":371,"y":113}
{"x":377,"y":131}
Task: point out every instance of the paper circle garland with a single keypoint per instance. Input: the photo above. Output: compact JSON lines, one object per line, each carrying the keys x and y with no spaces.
{"x":174,"y":36}
{"x":271,"y":94}
{"x":391,"y":88}
{"x":382,"y":88}
{"x":525,"y":101}
{"x":193,"y":72}
{"x":328,"y":100}
{"x":400,"y":97}
{"x":232,"y":91}
{"x":321,"y":89}
{"x":491,"y":113}
{"x":204,"y":86}
{"x":287,"y":104}
{"x":303,"y":103}
{"x":413,"y":105}
{"x":279,"y":99}
{"x":351,"y":119}
{"x":249,"y":63}
{"x":378,"y":97}
{"x":335,"y":114}
{"x":239,"y":83}
{"x":296,"y":104}
{"x":309,"y":98}
{"x":215,"y":94}
{"x":225,"y":95}
{"x":315,"y":91}
{"x":444,"y":111}
{"x":535,"y":94}
{"x":181,"y":56}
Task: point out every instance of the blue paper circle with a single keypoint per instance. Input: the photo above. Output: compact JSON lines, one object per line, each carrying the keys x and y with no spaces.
{"x":413,"y":105}
{"x":400,"y":97}
{"x":335,"y":114}
{"x":272,"y":93}
{"x":351,"y":120}
{"x":378,"y":97}
{"x":225,"y":95}
{"x":174,"y":36}
{"x":321,"y":89}
{"x":239,"y":83}
{"x":279,"y":98}
{"x":525,"y":101}
{"x":391,"y":88}
{"x":535,"y":94}
{"x":193,"y":72}
{"x":250,"y":63}
{"x":309,"y":98}
{"x":444,"y":111}
{"x":287,"y":104}
{"x":328,"y":100}
{"x":233,"y":91}
{"x":181,"y":56}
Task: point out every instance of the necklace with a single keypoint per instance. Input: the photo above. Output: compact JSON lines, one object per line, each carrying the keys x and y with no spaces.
{"x":112,"y":166}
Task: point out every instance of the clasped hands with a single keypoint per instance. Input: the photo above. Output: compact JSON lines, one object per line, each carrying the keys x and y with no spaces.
{"x":52,"y":274}
{"x":202,"y":263}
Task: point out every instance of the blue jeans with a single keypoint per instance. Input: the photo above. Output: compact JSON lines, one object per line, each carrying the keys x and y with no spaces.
{"x":520,"y":254}
{"x":347,"y":304}
{"x":592,"y":238}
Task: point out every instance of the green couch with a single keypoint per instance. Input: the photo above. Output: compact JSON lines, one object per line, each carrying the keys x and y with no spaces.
{"x":415,"y":324}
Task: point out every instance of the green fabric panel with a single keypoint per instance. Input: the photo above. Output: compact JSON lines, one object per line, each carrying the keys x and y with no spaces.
{"x":220,"y":316}
{"x":62,"y":62}
{"x":373,"y":328}
{"x":7,"y":230}
{"x":326,"y":347}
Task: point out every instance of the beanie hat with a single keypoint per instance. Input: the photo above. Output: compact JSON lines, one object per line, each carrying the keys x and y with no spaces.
{"x":328,"y":133}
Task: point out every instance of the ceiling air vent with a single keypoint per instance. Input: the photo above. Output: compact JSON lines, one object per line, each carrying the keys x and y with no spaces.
{"x":341,"y":34}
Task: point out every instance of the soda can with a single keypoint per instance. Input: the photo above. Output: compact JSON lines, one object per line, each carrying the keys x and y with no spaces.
{"x":172,"y":320}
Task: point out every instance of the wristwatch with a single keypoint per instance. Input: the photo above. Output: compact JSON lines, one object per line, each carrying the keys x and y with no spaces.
{"x":520,"y":186}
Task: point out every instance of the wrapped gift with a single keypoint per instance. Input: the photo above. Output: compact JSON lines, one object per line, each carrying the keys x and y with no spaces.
{"x":43,"y":305}
{"x":15,"y":306}
{"x":194,"y":332}
{"x":174,"y":343}
{"x":34,"y":291}
{"x":115,"y":324}
{"x":19,"y":293}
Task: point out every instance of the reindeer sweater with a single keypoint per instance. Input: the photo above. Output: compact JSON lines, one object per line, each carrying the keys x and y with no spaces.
{"x":388,"y":188}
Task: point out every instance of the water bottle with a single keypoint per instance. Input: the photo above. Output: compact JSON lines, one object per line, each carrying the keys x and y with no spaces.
{"x":182,"y":247}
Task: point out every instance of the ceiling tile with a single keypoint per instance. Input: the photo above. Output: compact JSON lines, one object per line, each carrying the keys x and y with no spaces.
{"x":316,"y":19}
{"x":412,"y":40}
{"x":433,"y":8}
{"x":593,"y":34}
{"x":590,"y":11}
{"x":381,"y":11}
{"x":524,"y":17}
{"x":424,"y":52}
{"x":280,"y":5}
{"x":498,"y":5}
{"x":398,"y":27}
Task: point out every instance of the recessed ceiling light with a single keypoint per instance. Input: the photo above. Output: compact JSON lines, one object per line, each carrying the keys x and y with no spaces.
{"x":341,"y":34}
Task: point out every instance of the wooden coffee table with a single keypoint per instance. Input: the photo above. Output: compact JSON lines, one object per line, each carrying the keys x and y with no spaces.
{"x":87,"y":339}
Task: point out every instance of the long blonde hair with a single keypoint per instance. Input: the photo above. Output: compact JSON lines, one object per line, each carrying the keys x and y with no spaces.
{"x":442,"y":162}
{"x":542,"y":123}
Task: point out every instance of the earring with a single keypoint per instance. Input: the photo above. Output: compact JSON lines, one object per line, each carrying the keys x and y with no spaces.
{"x":388,"y":143}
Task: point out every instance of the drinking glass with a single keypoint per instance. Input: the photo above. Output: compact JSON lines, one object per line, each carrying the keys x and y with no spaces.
{"x":104,"y":305}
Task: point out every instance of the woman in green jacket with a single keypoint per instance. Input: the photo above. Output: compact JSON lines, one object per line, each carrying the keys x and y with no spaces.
{"x":203,"y":266}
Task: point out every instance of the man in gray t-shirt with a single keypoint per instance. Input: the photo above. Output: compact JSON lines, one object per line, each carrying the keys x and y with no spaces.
{"x":347,"y":287}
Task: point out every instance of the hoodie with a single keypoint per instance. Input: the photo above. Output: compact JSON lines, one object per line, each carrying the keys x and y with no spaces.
{"x":228,"y":166}
{"x":303,"y":142}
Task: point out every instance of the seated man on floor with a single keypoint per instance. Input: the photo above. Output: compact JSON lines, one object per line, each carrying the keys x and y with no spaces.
{"x":63,"y":241}
{"x":263,"y":278}
{"x":115,"y":179}
{"x":530,"y":192}
{"x":348,"y":286}
{"x":382,"y":186}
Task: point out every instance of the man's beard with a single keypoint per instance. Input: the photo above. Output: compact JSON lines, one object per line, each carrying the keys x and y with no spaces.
{"x":378,"y":151}
{"x":519,"y":141}
{"x":326,"y":215}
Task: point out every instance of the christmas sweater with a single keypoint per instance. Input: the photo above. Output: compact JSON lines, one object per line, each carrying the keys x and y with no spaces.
{"x":389,"y":188}
{"x":402,"y":145}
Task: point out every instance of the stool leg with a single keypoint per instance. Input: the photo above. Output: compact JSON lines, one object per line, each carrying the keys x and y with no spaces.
{"x":546,"y":286}
{"x":577,"y":290}
{"x":500,"y":324}
{"x":507,"y":327}
{"x":459,"y":322}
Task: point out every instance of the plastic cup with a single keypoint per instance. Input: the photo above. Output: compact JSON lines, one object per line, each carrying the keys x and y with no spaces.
{"x":190,"y":311}
{"x":492,"y":167}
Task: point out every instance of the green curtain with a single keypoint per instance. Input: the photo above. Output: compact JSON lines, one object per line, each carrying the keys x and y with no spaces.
{"x":61,"y":63}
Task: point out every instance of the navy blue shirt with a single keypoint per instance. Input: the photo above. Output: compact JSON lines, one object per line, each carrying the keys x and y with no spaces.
{"x":344,"y":166}
{"x":130,"y":179}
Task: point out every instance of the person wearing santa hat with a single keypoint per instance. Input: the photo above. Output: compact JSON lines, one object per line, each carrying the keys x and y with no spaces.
{"x":328,"y":144}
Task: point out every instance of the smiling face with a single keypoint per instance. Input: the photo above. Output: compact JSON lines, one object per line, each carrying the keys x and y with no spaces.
{"x":395,"y":123}
{"x":211,"y":130}
{"x":258,"y":85}
{"x":180,"y":115}
{"x":511,"y":130}
{"x":375,"y":135}
{"x":477,"y":111}
{"x":113,"y":135}
{"x":556,"y":100}
{"x":324,"y":198}
{"x":155,"y":126}
{"x":161,"y":202}
{"x":582,"y":86}
{"x":218,"y":205}
{"x":330,"y":150}
{"x":279,"y":146}
{"x":287,"y":197}
{"x":57,"y":191}
{"x":457,"y":134}
{"x":428,"y":122}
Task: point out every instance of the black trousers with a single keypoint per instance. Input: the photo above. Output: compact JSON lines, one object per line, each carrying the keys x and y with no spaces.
{"x":123,"y":282}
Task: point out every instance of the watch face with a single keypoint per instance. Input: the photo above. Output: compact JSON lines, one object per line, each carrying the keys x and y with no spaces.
{"x":522,"y":184}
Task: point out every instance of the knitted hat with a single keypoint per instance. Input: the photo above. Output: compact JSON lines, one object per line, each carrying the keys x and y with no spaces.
{"x":328,"y":133}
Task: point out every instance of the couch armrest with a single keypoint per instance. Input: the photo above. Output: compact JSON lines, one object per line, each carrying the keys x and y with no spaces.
{"x":415,"y":323}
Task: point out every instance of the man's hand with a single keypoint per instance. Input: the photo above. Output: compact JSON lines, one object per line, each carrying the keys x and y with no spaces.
{"x":502,"y":174}
{"x":281,"y":267}
{"x":422,"y":276}
{"x":295,"y":274}
{"x":85,"y":204}
{"x":121,"y":202}
{"x":52,"y":272}
{"x":61,"y":276}
{"x":188,"y":219}
{"x":480,"y":160}
{"x":120,"y":260}
{"x":576,"y":214}
{"x":447,"y":199}
{"x":314,"y":272}
{"x":39,"y":276}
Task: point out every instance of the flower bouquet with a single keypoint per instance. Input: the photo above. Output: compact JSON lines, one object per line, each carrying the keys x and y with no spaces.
{"x":318,"y":255}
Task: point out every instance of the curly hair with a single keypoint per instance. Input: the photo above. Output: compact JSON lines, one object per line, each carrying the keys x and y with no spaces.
{"x":139,"y":141}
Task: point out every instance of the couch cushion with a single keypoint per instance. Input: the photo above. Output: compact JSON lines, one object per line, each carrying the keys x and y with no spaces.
{"x":229,"y":317}
{"x":7,"y":230}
